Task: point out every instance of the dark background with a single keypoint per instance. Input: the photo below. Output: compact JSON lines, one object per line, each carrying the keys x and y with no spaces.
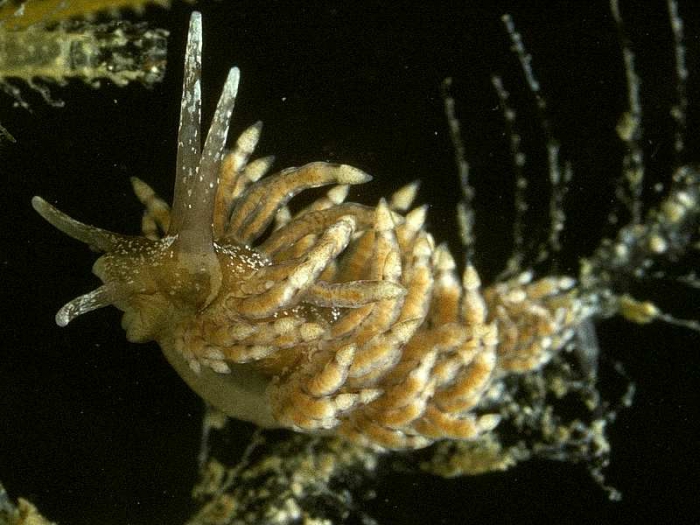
{"x":93,"y":429}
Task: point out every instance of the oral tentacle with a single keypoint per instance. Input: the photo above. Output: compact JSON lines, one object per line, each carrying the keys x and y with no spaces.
{"x":97,"y":238}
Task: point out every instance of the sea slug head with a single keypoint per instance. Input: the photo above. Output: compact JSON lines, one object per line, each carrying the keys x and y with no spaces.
{"x":153,"y":279}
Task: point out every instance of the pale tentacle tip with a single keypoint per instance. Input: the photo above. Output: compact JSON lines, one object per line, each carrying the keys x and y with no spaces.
{"x":196,"y":22}
{"x":67,"y":313}
{"x":63,"y":317}
{"x":39,"y":205}
{"x":51,"y":214}
{"x":231,"y":85}
{"x":103,"y":296}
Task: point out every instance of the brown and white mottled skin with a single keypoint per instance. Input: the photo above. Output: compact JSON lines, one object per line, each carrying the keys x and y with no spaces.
{"x":342,"y":318}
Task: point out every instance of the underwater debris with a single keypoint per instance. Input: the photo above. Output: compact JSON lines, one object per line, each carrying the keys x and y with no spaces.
{"x":121,"y":52}
{"x":44,"y":41}
{"x":23,"y":14}
{"x":313,"y":481}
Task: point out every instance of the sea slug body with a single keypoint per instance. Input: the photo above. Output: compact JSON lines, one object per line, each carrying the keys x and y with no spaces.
{"x":341,"y":318}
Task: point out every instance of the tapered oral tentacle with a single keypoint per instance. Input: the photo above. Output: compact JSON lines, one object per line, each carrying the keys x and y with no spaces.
{"x":97,"y":238}
{"x":103,"y":296}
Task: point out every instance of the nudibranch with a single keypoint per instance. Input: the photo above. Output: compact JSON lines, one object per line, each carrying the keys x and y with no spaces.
{"x":342,"y":318}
